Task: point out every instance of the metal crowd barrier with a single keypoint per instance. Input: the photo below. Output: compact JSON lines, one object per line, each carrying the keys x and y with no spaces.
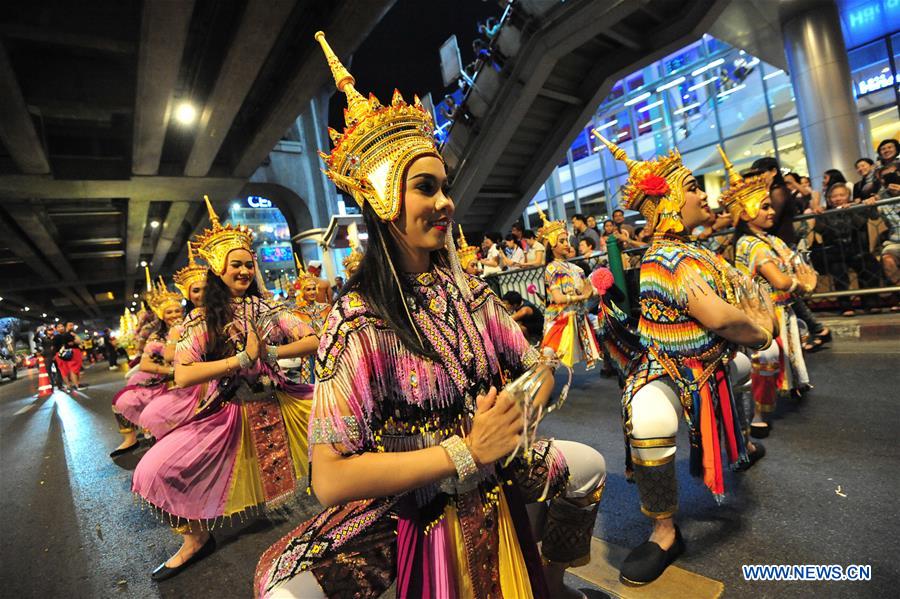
{"x":842,"y":244}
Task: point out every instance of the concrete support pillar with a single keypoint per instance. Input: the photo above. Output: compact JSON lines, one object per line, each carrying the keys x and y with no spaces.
{"x":820,"y":74}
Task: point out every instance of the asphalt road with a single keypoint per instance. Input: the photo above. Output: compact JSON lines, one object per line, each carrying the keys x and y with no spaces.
{"x":825,"y":494}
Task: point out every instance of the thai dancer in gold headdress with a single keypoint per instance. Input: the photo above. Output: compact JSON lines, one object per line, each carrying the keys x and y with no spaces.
{"x":695,"y":308}
{"x":245,"y":448}
{"x":566,"y":326}
{"x":468,"y":255}
{"x":155,"y":370}
{"x":313,"y":313}
{"x":767,"y":258}
{"x":408,"y":430}
{"x":178,"y":404}
{"x":353,"y":259}
{"x":306,"y":306}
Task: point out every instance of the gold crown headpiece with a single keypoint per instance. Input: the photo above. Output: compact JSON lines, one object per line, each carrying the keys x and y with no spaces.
{"x":655,"y":188}
{"x":464,"y":251}
{"x":742,"y":195}
{"x":158,"y":296}
{"x":550,"y":231}
{"x":193,"y":273}
{"x":370,"y":157}
{"x":353,"y":259}
{"x":214,"y":244}
{"x":302,"y":275}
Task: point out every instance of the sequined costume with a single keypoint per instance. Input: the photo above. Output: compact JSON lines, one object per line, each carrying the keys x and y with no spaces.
{"x":313,"y":314}
{"x":142,"y":388}
{"x":465,"y":536}
{"x":567,"y":328}
{"x":246,"y":446}
{"x":677,"y":360}
{"x":437,"y":540}
{"x":783,"y":367}
{"x":694,"y":358}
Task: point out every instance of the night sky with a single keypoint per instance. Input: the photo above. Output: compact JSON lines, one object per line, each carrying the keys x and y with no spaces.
{"x":402,"y":51}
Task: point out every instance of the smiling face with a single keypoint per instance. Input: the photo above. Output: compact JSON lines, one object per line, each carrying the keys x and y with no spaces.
{"x":427,"y":211}
{"x":309,"y":291}
{"x":197,"y":292}
{"x":695,"y":211}
{"x":173,"y":314}
{"x":863,"y":168}
{"x":239,"y":272}
{"x":839,"y":195}
{"x":765,"y":218}
{"x":887,"y":152}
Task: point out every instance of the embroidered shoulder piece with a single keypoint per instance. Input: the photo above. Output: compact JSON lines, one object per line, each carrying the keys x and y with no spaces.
{"x":348,"y":316}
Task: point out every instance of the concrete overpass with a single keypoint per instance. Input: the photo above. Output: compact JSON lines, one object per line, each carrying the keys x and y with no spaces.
{"x":564,"y":59}
{"x":98,"y":174}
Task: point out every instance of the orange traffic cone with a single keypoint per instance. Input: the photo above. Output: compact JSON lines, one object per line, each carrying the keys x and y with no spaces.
{"x":44,"y":388}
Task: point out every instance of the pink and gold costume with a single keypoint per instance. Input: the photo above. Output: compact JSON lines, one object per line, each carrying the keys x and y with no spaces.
{"x":245,"y":448}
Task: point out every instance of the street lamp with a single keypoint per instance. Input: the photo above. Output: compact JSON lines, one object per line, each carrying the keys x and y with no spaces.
{"x":143,"y":263}
{"x":154,"y":224}
{"x":186,"y":113}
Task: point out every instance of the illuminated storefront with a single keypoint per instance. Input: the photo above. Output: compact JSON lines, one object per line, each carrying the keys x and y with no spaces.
{"x":710,"y":93}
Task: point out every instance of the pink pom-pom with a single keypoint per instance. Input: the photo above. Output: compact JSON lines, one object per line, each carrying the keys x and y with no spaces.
{"x":602,"y":279}
{"x":532,"y":288}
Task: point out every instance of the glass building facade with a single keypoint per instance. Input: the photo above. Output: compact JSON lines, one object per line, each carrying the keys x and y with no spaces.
{"x":704,"y":94}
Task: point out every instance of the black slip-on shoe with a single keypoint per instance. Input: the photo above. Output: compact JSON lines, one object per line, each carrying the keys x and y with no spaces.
{"x":648,"y":561}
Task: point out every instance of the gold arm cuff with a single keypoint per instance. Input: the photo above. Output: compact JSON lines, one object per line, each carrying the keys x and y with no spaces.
{"x":638,"y":461}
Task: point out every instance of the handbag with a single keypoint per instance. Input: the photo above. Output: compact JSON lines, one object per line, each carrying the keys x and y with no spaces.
{"x":65,"y":353}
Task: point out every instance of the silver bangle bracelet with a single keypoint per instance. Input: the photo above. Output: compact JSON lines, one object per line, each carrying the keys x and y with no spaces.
{"x":244,"y":360}
{"x":271,"y":355}
{"x":461,"y":457}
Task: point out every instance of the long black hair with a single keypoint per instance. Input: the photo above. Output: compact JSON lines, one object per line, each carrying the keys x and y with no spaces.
{"x":219,"y":313}
{"x":375,"y":282}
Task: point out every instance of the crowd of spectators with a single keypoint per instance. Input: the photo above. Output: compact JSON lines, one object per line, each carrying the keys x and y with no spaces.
{"x":850,"y":235}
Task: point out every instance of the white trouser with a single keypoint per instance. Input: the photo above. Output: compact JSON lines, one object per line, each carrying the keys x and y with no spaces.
{"x":655,"y":412}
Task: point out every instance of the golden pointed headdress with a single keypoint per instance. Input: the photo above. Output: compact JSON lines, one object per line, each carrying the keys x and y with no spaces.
{"x":302,"y":275}
{"x":158,"y":297}
{"x":353,"y":259}
{"x":370,"y":157}
{"x":551,"y":230}
{"x":186,"y":277}
{"x":464,"y":251}
{"x":743,"y":195}
{"x":655,"y":188}
{"x":215,"y":243}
